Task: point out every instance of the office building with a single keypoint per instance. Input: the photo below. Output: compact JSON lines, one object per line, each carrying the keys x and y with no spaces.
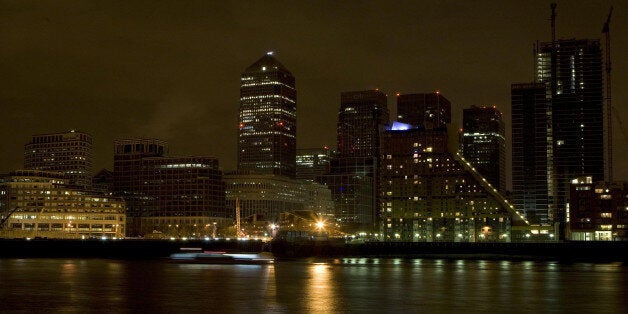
{"x":575,"y":87}
{"x":430,"y":194}
{"x":267,"y":196}
{"x":359,"y":119}
{"x":45,"y":204}
{"x":352,"y":185}
{"x":483,"y":143}
{"x":353,"y":172}
{"x":68,"y":152}
{"x":424,"y":110}
{"x":532,"y":168}
{"x":169,"y":196}
{"x":312,"y":163}
{"x":268,"y":119}
{"x":597,"y":211}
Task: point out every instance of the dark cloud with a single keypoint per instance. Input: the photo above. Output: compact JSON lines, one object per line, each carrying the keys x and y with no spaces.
{"x":171,"y":69}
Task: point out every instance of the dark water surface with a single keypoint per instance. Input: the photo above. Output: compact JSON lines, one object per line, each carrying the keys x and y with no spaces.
{"x":312,"y":286}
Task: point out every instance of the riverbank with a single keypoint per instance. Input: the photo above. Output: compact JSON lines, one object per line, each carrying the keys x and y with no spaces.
{"x":150,"y":249}
{"x":120,"y":248}
{"x":558,"y":251}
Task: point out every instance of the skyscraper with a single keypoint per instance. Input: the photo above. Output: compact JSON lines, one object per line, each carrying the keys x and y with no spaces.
{"x":576,"y":96}
{"x":532,"y":174}
{"x":425,"y":110}
{"x":68,"y":152}
{"x":353,"y":173}
{"x":268,"y":119}
{"x":359,"y":119}
{"x":483,"y":143}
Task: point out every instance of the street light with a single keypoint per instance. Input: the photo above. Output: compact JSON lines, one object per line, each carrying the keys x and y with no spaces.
{"x":320,"y":225}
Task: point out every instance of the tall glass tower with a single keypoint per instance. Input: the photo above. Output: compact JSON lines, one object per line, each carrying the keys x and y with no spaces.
{"x":267,"y":119}
{"x":359,"y":119}
{"x":353,"y":176}
{"x":532,"y":174}
{"x":575,"y":95}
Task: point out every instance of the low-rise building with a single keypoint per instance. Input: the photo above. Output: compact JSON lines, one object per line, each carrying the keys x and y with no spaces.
{"x":168,"y":196}
{"x":268,"y":195}
{"x":597,"y":211}
{"x":42,"y":204}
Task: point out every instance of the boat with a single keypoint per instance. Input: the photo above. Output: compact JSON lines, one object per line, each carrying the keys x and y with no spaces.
{"x":198,"y":256}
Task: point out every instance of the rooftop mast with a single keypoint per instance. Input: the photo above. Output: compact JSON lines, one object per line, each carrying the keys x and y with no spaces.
{"x":609,"y":121}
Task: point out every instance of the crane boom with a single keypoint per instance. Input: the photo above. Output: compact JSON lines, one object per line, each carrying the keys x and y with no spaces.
{"x":8,"y":216}
{"x":609,"y":108}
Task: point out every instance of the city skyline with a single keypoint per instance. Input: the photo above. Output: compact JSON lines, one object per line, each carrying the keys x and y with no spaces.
{"x":172,"y":71}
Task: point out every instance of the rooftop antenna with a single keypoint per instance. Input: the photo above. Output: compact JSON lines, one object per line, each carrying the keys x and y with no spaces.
{"x":553,"y":6}
{"x":553,"y":55}
{"x":609,"y":120}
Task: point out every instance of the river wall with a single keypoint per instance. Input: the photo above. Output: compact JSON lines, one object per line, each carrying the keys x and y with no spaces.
{"x":150,"y":249}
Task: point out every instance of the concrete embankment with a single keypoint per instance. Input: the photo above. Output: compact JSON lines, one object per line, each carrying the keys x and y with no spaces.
{"x":561,"y":251}
{"x":148,"y":249}
{"x":127,"y":248}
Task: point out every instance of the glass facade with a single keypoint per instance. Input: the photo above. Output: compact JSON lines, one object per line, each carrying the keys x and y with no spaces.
{"x":532,"y":180}
{"x":268,"y":196}
{"x":267,"y":119}
{"x":353,"y":172}
{"x":575,"y":86}
{"x":483,"y":143}
{"x":352,"y":184}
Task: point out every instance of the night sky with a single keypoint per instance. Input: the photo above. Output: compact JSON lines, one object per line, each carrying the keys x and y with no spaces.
{"x":171,"y":69}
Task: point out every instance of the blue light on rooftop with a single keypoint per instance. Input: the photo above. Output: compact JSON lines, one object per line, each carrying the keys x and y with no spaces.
{"x":398,"y":126}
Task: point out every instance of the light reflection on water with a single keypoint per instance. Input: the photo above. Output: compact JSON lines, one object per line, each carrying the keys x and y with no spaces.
{"x":321,"y":286}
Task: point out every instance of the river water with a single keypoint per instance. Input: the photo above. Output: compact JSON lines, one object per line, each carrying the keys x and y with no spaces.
{"x":358,"y":285}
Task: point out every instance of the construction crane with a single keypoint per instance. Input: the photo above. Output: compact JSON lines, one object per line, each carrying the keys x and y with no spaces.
{"x":609,"y":107}
{"x":8,"y":216}
{"x":553,"y":80}
{"x":238,"y":230}
{"x":553,"y":18}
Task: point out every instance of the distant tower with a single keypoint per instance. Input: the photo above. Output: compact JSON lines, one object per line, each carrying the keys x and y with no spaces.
{"x":312,"y":163}
{"x":532,"y":170}
{"x":483,"y":143}
{"x":359,"y":119}
{"x":69,"y":153}
{"x":268,"y":119}
{"x":426,"y":110}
